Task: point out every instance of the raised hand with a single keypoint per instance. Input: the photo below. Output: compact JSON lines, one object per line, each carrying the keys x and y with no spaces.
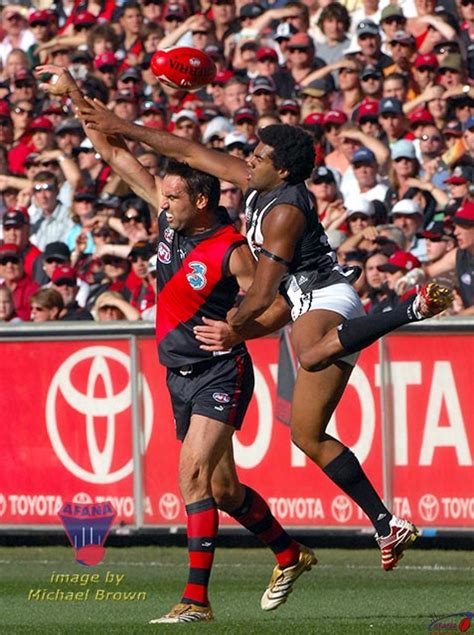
{"x":61,"y":82}
{"x":96,"y":116}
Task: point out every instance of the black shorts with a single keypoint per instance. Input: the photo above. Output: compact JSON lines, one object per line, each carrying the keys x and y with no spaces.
{"x":220,"y":389}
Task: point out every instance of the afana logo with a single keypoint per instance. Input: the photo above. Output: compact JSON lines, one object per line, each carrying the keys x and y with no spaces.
{"x":87,"y":527}
{"x":101,"y":422}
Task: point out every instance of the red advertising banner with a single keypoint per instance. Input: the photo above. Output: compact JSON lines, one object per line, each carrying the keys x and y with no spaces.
{"x":67,"y":434}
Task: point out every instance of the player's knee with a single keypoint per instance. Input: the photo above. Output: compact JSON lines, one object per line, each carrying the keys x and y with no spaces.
{"x":313,"y":360}
{"x":193,"y":473}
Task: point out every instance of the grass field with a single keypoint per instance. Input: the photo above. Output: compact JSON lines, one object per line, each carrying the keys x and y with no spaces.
{"x":347,"y":593}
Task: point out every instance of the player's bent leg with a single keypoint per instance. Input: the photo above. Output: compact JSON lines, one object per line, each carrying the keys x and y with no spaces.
{"x":248,"y":508}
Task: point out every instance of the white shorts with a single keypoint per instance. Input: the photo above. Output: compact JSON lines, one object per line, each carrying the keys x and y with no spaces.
{"x":340,"y":298}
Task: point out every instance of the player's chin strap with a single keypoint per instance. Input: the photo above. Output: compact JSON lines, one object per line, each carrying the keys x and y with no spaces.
{"x":274,"y":257}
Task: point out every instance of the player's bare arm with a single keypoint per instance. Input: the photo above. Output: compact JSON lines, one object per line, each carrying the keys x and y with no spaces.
{"x":223,"y":166}
{"x":216,"y":335}
{"x":112,"y":148}
{"x":282,"y":229}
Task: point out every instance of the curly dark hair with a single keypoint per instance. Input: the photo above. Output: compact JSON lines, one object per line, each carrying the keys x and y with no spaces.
{"x":197,"y":182}
{"x":336,"y":11}
{"x":293,"y":150}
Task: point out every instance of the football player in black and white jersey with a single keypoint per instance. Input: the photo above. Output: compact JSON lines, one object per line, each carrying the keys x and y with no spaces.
{"x":296,"y":263}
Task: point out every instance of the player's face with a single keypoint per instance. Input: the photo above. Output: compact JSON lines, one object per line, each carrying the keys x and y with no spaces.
{"x":262,"y":173}
{"x":180,"y":211}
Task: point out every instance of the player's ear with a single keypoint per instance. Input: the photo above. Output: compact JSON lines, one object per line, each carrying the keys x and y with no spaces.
{"x":283,"y":173}
{"x":201,"y":201}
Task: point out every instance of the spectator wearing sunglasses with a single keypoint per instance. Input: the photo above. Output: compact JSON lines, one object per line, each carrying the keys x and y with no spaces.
{"x":135,"y":221}
{"x":95,"y":173}
{"x":50,"y":219}
{"x":21,"y":112}
{"x":65,"y":281}
{"x":17,"y":35}
{"x":16,"y":231}
{"x":433,"y":169}
{"x":6,"y":128}
{"x":47,"y":305}
{"x":58,"y":254}
{"x":12,"y":274}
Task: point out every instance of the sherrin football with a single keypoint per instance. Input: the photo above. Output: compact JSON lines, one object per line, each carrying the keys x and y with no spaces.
{"x":183,"y":67}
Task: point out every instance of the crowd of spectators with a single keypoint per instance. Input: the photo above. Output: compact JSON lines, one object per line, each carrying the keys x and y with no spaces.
{"x":386,"y":91}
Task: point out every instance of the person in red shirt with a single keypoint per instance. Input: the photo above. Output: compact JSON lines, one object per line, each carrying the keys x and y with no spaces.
{"x":14,"y":277}
{"x":138,"y":291}
{"x":16,"y":231}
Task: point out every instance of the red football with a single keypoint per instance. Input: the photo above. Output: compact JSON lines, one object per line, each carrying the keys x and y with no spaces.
{"x":183,"y":67}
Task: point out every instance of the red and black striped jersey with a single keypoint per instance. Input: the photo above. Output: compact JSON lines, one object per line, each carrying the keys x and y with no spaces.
{"x":192,"y":281}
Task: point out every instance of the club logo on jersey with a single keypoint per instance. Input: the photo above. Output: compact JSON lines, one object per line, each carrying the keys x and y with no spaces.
{"x":221,"y":397}
{"x":164,"y":253}
{"x":197,"y":279}
{"x":168,"y":234}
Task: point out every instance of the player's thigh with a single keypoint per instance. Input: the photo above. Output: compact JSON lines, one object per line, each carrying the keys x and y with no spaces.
{"x":315,"y":398}
{"x":204,"y":445}
{"x":311,"y":327}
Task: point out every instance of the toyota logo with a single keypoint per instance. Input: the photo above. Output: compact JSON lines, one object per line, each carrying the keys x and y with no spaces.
{"x":100,"y":443}
{"x":428,"y":507}
{"x":341,"y":509}
{"x":169,"y":506}
{"x":3,"y":504}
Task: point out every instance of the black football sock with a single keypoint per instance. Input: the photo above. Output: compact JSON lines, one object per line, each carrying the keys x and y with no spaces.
{"x":360,"y":332}
{"x":346,"y":472}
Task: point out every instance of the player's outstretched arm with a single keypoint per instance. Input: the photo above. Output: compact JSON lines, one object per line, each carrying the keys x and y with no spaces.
{"x":112,"y":148}
{"x":224,"y":166}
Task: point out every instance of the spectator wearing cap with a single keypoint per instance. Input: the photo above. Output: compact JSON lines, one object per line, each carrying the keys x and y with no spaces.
{"x":450,"y":72}
{"x":398,"y":265}
{"x":332,"y":123}
{"x":301,"y":58}
{"x":126,"y":105}
{"x":360,"y":216}
{"x":43,"y":24}
{"x":57,"y":254}
{"x":334,"y":22}
{"x":95,"y":173}
{"x":215,"y":132}
{"x":367,"y":118}
{"x":402,"y":48}
{"x":131,"y":20}
{"x":419,"y":119}
{"x":370,"y":10}
{"x":245,"y":120}
{"x":439,"y":239}
{"x":69,"y":135}
{"x":46,"y":305}
{"x":329,"y":205}
{"x":461,"y":259}
{"x":392,"y":119}
{"x":153,"y":114}
{"x":369,"y":184}
{"x":458,"y":182}
{"x":42,"y":138}
{"x":236,"y":144}
{"x":371,"y":82}
{"x":315,"y":97}
{"x":65,"y":281}
{"x":186,"y":125}
{"x":106,"y":68}
{"x":290,"y":112}
{"x":130,"y":79}
{"x":50,"y":220}
{"x":392,"y":19}
{"x":407,"y":215}
{"x":234,"y":95}
{"x":403,"y":167}
{"x":262,"y":91}
{"x":370,"y":43}
{"x":12,"y":274}
{"x":424,"y":71}
{"x":16,"y":32}
{"x":16,"y":231}
{"x":267,"y":66}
